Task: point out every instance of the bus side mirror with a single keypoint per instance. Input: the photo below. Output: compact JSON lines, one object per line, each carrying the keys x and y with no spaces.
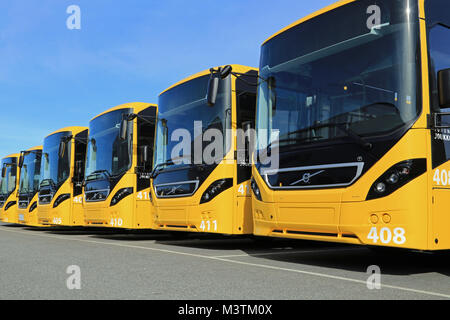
{"x":213,"y":89}
{"x":21,"y":159}
{"x":144,"y":154}
{"x":94,"y":145}
{"x":62,"y":149}
{"x":3,"y":172}
{"x":225,"y":71}
{"x":273,"y":94}
{"x":213,"y":84}
{"x":123,"y":129}
{"x":444,"y":88}
{"x":79,"y":168}
{"x":247,"y":126}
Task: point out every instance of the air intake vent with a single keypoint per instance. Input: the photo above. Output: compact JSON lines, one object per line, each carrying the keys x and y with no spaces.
{"x":318,"y":234}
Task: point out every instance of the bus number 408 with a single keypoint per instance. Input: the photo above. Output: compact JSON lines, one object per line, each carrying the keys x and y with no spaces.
{"x":385,"y":236}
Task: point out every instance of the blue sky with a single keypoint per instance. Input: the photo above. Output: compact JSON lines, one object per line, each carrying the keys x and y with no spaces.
{"x":52,"y":77}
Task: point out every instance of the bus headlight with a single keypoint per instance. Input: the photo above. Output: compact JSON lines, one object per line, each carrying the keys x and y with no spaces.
{"x":215,"y":189}
{"x":61,"y":199}
{"x":380,"y":188}
{"x":256,"y":190}
{"x":393,"y":178}
{"x":122,"y":193}
{"x":396,"y":177}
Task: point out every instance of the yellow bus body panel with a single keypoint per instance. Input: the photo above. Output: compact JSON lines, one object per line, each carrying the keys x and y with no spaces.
{"x":343,"y":215}
{"x":70,"y":212}
{"x":134,"y":211}
{"x":228,"y":213}
{"x":10,"y":215}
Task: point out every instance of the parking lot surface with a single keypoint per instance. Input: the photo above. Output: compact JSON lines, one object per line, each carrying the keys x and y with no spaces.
{"x":36,"y":264}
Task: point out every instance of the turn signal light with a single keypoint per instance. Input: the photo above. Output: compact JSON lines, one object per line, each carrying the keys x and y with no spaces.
{"x":256,"y":190}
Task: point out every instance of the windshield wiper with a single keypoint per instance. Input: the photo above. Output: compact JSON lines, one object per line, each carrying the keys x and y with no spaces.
{"x":97,"y":173}
{"x":159,"y":167}
{"x":50,"y":182}
{"x":355,"y":137}
{"x":341,"y":126}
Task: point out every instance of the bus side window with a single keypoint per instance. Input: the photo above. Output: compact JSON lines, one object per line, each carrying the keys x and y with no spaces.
{"x":439,"y":59}
{"x":145,"y":137}
{"x":246,"y":114}
{"x":80,"y":159}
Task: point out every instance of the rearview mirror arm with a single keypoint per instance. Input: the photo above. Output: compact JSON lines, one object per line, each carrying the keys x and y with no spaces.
{"x":240,"y":75}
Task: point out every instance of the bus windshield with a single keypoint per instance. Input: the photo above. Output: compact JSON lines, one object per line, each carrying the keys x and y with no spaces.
{"x":8,"y":182}
{"x":351,"y":72}
{"x":55,"y":170}
{"x":179,"y":109}
{"x":107,"y":153}
{"x":30,"y":173}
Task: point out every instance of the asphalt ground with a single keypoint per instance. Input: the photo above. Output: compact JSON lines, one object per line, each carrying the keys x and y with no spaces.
{"x":110,"y":264}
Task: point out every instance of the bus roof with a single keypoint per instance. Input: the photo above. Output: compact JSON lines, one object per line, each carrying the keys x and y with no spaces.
{"x":137,"y":106}
{"x":36,"y":148}
{"x":312,"y":15}
{"x":74,"y":130}
{"x":236,"y":67}
{"x":14,"y":155}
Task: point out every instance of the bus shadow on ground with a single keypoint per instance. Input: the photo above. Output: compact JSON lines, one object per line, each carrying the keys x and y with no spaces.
{"x":12,"y":226}
{"x":131,"y":235}
{"x":248,"y":245}
{"x":163,"y":237}
{"x":214,"y":242}
{"x":359,"y":258}
{"x":106,"y":233}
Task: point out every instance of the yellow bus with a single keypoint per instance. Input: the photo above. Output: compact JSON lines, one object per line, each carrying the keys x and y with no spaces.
{"x":30,"y":169}
{"x":118,"y":167}
{"x":353,"y":100}
{"x":9,"y":184}
{"x":197,"y":187}
{"x":62,"y":173}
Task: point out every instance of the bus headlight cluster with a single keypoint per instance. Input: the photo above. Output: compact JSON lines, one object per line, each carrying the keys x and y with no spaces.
{"x":61,"y":199}
{"x":396,"y":177}
{"x":10,"y":204}
{"x":33,"y":206}
{"x":215,"y":189}
{"x":121,"y":194}
{"x":256,"y":190}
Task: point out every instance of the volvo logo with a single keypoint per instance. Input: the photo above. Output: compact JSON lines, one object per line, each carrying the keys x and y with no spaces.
{"x":306,"y":179}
